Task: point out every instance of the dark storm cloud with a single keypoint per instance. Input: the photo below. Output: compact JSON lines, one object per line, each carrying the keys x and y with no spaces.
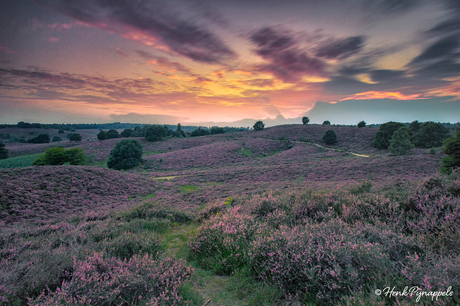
{"x":341,"y":48}
{"x":384,"y":75}
{"x":444,"y":47}
{"x":286,"y":60}
{"x":439,"y":69}
{"x":183,"y":36}
{"x":352,"y":71}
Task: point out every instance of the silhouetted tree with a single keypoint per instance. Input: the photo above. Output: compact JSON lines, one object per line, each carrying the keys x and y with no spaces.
{"x":42,"y":138}
{"x":361,"y":124}
{"x":330,"y":137}
{"x":327,"y":122}
{"x":3,"y":151}
{"x":75,"y":137}
{"x":305,"y":120}
{"x":400,"y":142}
{"x":258,"y":126}
{"x":56,"y":138}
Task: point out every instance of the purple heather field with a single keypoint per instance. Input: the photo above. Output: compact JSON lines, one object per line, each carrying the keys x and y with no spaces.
{"x":318,"y":224}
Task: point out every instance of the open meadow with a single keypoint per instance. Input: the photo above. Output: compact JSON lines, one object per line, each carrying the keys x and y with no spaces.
{"x":270,"y":217}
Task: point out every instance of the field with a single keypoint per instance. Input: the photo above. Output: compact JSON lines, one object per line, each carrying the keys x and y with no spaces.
{"x":271,"y":217}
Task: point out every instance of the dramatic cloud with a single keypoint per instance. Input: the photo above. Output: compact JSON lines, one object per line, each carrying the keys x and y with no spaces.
{"x":286,"y":60}
{"x":383,"y":75}
{"x":149,"y":19}
{"x":340,"y":49}
{"x":443,"y":48}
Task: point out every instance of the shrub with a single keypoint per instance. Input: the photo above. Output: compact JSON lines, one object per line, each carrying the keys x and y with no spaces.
{"x":3,"y":151}
{"x":330,"y":137}
{"x":217,"y":130}
{"x":382,"y":139}
{"x":60,"y":156}
{"x":431,"y":134}
{"x":112,"y":134}
{"x":74,"y":137}
{"x":414,"y":126}
{"x":102,"y":135}
{"x":141,"y":280}
{"x":126,"y":154}
{"x":56,"y":139}
{"x":128,"y":244}
{"x":305,"y":120}
{"x":361,"y":124}
{"x":400,"y":142}
{"x":451,"y":147}
{"x":61,"y":131}
{"x":155,"y":132}
{"x":42,"y":138}
{"x":258,"y":126}
{"x":199,"y":132}
{"x":327,"y":122}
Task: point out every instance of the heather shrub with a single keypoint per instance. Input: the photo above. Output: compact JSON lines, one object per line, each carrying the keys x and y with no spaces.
{"x":129,"y":244}
{"x":330,"y":137}
{"x":382,"y":139}
{"x":126,"y":154}
{"x":222,"y":243}
{"x":142,"y":280}
{"x":149,"y":210}
{"x":400,"y":142}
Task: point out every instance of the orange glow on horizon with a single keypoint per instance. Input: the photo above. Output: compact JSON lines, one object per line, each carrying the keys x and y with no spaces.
{"x":368,"y":95}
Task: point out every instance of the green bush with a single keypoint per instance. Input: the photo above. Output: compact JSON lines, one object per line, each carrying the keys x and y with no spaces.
{"x":74,"y":137}
{"x":126,"y":133}
{"x":56,"y":139}
{"x":126,"y":154}
{"x":102,"y":135}
{"x":382,"y":139}
{"x":330,"y":137}
{"x":60,"y":156}
{"x":451,"y":147}
{"x":155,"y":132}
{"x":431,"y":134}
{"x":258,"y":126}
{"x":112,"y":134}
{"x":42,"y":138}
{"x":3,"y":151}
{"x":400,"y":142}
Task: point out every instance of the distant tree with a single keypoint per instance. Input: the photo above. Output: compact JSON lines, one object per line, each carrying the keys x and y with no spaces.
{"x":112,"y":134}
{"x":126,"y":133}
{"x":400,"y":142}
{"x":330,"y":137}
{"x":414,"y":126}
{"x":258,"y":126}
{"x":451,"y":147}
{"x":102,"y":135}
{"x":217,"y":130}
{"x":327,"y":122}
{"x":75,"y":137}
{"x":361,"y":124}
{"x":42,"y":138}
{"x":199,"y":132}
{"x":59,"y":156}
{"x":126,"y":154}
{"x":383,"y":136}
{"x":179,"y":130}
{"x":155,"y":132}
{"x":305,"y":120}
{"x":3,"y":151}
{"x":56,"y":138}
{"x":61,"y":131}
{"x":430,"y":134}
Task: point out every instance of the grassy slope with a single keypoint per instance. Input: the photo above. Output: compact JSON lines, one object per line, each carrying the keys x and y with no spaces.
{"x":207,"y":170}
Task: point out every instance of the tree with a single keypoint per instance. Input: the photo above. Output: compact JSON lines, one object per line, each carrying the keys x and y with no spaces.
{"x":327,"y":122}
{"x":102,"y":135}
{"x":126,"y":154}
{"x":431,"y":134}
{"x":112,"y":134}
{"x":361,"y":124}
{"x":305,"y":120}
{"x":59,"y":156}
{"x":414,"y":126}
{"x":74,"y":137}
{"x":258,"y":126}
{"x":155,"y":132}
{"x":3,"y":151}
{"x":179,"y":130}
{"x":56,"y":138}
{"x":330,"y":137}
{"x":42,"y":138}
{"x":199,"y":132}
{"x":61,"y":131}
{"x":400,"y":142}
{"x":126,"y":133}
{"x":382,"y":139}
{"x":217,"y":130}
{"x":451,"y":147}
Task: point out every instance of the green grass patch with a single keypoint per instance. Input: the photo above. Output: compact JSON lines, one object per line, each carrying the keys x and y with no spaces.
{"x":188,"y":188}
{"x":20,"y":161}
{"x":246,"y":152}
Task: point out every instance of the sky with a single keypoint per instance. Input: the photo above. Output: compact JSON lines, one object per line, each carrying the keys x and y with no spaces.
{"x":222,"y":62}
